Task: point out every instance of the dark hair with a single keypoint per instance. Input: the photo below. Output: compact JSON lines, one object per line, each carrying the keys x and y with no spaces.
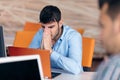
{"x":50,"y":14}
{"x":113,"y":7}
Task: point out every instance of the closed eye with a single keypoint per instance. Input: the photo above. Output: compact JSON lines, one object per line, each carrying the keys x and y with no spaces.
{"x":51,"y":26}
{"x":43,"y":27}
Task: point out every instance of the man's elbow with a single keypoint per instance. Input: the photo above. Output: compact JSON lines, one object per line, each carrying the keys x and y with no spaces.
{"x":76,"y":71}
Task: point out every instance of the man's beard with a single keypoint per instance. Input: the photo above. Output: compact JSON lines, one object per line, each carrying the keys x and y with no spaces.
{"x":57,"y":34}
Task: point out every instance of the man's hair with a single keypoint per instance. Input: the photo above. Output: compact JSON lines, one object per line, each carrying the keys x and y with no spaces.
{"x":113,"y":7}
{"x":50,"y":14}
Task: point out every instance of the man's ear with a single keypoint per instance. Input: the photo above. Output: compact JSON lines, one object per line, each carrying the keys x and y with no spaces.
{"x":61,"y":23}
{"x":117,"y":24}
{"x":105,"y":8}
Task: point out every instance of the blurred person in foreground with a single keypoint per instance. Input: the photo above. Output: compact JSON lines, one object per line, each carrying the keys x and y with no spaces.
{"x":63,"y":42}
{"x":110,"y":37}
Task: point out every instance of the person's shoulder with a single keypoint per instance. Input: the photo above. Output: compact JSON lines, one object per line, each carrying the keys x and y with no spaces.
{"x":115,"y":59}
{"x":70,"y":31}
{"x":40,"y":31}
{"x":106,"y":68}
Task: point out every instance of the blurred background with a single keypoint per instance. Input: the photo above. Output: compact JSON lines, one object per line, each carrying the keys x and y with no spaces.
{"x":75,"y":13}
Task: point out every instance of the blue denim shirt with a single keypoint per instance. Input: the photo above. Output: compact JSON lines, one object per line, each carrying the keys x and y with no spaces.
{"x":67,"y":51}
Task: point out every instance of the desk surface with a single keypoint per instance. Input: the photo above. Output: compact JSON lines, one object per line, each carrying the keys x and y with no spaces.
{"x":81,"y":76}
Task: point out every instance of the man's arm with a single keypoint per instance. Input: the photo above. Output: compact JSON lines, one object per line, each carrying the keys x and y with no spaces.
{"x":72,"y":63}
{"x":47,"y":40}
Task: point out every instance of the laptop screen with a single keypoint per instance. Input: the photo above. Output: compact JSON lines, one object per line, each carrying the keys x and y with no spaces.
{"x":26,"y":68}
{"x":2,"y":45}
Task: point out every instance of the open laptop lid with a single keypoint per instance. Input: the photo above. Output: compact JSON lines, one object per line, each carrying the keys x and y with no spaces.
{"x":2,"y":45}
{"x":44,"y":54}
{"x":21,"y":68}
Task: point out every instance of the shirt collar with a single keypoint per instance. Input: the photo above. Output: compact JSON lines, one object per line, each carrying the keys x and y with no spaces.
{"x":63,"y":33}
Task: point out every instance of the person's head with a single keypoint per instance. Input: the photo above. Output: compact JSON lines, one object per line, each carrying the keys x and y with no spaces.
{"x":50,"y":18}
{"x":110,"y":24}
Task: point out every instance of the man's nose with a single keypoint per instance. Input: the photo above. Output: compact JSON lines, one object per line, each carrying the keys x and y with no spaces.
{"x":46,"y":28}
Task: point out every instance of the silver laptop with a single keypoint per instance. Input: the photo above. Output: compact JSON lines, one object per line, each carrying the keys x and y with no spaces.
{"x":2,"y":45}
{"x":21,"y":68}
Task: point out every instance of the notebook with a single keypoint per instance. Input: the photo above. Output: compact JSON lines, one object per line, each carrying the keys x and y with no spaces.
{"x":21,"y":68}
{"x":2,"y":45}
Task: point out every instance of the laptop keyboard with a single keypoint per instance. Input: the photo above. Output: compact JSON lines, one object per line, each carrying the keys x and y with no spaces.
{"x":54,"y":74}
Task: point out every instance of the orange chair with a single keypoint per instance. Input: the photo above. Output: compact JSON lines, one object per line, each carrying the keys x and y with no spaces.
{"x":31,"y":26}
{"x":88,"y":50}
{"x":80,"y":30}
{"x":23,"y":38}
{"x":44,"y":55}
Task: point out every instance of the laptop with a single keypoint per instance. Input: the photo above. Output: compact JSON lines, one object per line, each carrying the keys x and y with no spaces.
{"x":2,"y":45}
{"x":21,"y":68}
{"x":44,"y":54}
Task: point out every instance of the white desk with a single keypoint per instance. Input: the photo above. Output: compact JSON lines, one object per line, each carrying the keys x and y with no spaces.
{"x":81,"y":76}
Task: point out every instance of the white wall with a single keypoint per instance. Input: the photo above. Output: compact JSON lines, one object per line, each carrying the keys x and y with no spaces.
{"x":76,"y":13}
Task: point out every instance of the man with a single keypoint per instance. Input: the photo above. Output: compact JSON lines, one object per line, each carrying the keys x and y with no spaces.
{"x":110,"y":36}
{"x":64,"y":43}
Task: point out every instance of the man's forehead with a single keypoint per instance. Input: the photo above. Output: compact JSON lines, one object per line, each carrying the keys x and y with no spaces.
{"x":50,"y":23}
